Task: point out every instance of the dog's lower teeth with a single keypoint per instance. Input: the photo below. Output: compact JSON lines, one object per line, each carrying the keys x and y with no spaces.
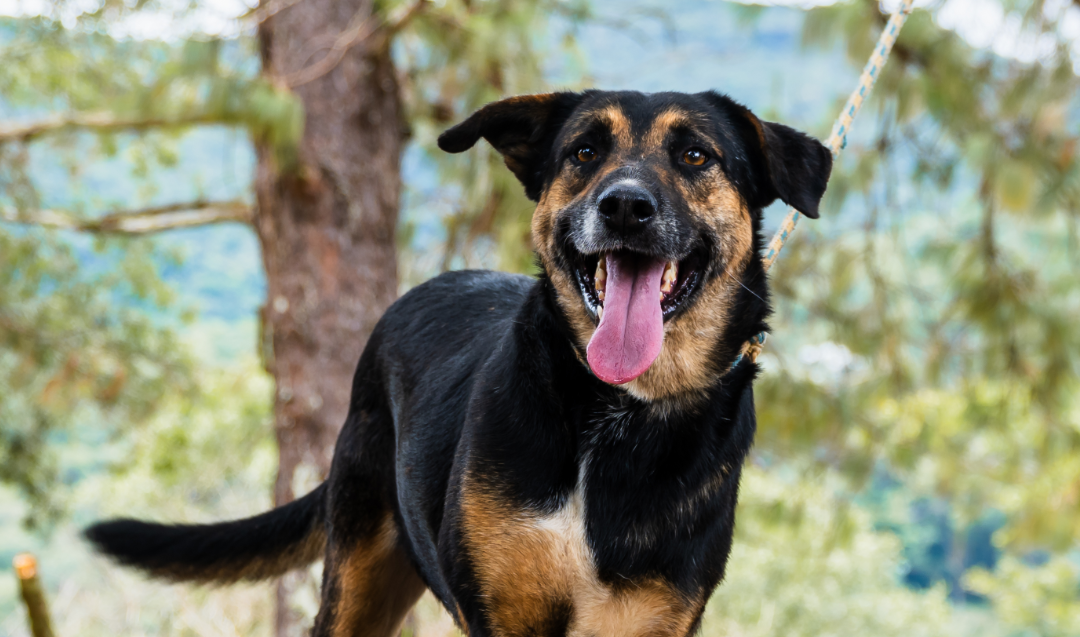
{"x":600,"y":313}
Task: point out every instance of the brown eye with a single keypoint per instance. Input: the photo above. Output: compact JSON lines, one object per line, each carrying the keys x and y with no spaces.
{"x":585,"y":154}
{"x":695,"y":157}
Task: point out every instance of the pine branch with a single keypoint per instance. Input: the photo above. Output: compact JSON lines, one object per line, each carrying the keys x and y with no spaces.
{"x":140,"y":221}
{"x":100,"y":122}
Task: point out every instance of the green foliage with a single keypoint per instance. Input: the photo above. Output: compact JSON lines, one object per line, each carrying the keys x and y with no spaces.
{"x":75,"y":347}
{"x":459,"y":56}
{"x":954,"y":302}
{"x":806,"y":563}
{"x":190,"y":458}
{"x":204,"y":454}
{"x":157,"y":88}
{"x":1034,"y":600}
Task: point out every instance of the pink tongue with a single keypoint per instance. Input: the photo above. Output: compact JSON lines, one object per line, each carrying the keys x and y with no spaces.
{"x":631,"y":331}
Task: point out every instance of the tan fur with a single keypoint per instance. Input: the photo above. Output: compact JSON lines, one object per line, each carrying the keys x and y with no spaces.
{"x":376,"y":586}
{"x":662,"y":124}
{"x":651,"y":609}
{"x":552,"y":200}
{"x":618,"y":123}
{"x":530,"y":565}
{"x":565,"y":187}
{"x":757,"y":126}
{"x":556,"y":198}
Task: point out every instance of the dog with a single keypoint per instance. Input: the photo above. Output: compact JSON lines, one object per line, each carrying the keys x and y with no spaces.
{"x":556,"y":455}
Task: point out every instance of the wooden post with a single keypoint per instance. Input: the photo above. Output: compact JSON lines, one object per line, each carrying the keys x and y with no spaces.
{"x":33,"y":595}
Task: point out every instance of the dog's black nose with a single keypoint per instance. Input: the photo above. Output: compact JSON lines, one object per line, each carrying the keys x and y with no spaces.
{"x":626,"y":207}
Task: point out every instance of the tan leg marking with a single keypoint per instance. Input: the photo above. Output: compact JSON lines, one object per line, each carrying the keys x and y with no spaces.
{"x":376,"y":587}
{"x":523,"y":570}
{"x":651,"y":609}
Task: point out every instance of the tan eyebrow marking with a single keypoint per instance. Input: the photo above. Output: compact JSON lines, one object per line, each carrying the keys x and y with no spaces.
{"x":663,"y":123}
{"x":619,"y":124}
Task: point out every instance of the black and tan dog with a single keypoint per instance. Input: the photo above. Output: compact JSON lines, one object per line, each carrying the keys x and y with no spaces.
{"x":551,"y":456}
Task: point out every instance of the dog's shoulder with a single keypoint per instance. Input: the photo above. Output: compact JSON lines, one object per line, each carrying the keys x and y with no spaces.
{"x":437,"y":335}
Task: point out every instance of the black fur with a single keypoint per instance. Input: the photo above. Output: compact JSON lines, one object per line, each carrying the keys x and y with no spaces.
{"x":786,"y":163}
{"x":474,"y":377}
{"x":254,"y":548}
{"x":523,"y":129}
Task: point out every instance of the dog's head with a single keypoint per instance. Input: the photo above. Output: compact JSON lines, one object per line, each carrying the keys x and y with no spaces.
{"x":647,"y":217}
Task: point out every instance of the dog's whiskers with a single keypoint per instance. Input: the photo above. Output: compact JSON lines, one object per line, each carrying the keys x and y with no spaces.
{"x":728,"y":274}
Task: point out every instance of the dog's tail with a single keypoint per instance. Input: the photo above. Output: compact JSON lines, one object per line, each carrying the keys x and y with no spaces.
{"x":270,"y":544}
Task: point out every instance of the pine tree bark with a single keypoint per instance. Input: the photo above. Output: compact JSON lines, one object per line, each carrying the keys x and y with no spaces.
{"x":326,"y":227}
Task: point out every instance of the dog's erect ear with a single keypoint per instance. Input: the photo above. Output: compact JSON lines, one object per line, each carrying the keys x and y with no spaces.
{"x":792,"y":166}
{"x":522,"y":128}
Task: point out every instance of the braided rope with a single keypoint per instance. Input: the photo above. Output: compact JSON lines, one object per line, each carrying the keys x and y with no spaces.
{"x":836,"y":142}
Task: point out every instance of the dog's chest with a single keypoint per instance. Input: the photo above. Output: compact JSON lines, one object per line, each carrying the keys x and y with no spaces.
{"x":538,"y":575}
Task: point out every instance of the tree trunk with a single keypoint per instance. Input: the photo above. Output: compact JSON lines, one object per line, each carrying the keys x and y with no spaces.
{"x":326,"y":226}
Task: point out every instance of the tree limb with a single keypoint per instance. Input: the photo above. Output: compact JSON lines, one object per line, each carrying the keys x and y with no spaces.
{"x":139,"y":221}
{"x":100,"y":122}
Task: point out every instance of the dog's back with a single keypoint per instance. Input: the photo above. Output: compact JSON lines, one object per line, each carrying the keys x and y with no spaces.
{"x":415,"y":371}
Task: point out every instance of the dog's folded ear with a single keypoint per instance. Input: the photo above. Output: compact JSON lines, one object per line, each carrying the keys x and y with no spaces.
{"x":799,"y":166}
{"x":791,"y":166}
{"x":522,"y":128}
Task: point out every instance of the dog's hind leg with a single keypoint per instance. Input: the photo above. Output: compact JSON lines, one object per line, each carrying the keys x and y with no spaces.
{"x":368,"y":587}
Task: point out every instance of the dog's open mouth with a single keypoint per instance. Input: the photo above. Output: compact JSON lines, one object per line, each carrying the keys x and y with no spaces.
{"x":678,"y":281}
{"x":632,"y":294}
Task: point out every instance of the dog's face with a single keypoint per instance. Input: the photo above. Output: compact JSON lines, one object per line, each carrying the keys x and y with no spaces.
{"x":646,"y":218}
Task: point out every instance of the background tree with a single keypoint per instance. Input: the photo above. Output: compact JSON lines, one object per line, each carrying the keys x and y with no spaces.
{"x":329,"y":109}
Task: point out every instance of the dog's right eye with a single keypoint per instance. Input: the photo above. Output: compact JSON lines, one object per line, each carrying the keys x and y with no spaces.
{"x":695,"y":157}
{"x":585,"y":154}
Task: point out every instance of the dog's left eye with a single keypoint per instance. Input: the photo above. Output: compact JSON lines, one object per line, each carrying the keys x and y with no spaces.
{"x":695,"y":157}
